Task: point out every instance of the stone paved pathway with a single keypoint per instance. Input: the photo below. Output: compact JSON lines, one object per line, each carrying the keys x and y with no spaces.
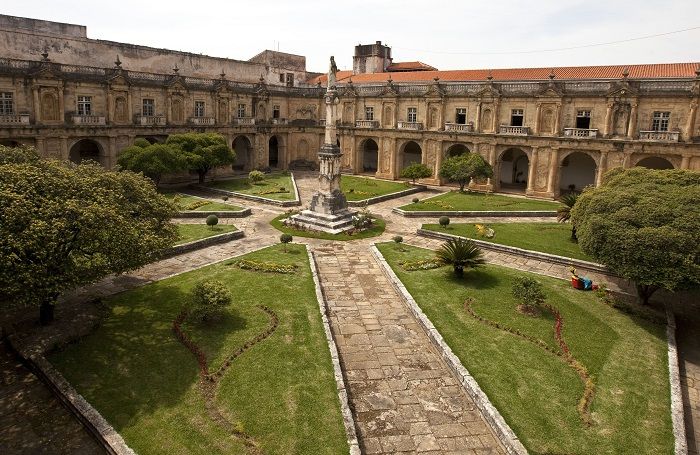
{"x":32,"y":420}
{"x":688,"y":328}
{"x":405,"y":398}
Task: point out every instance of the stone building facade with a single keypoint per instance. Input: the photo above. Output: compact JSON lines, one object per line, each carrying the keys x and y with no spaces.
{"x":544,"y":130}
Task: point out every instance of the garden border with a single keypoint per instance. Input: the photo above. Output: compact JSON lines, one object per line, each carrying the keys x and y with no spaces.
{"x":677,"y":412}
{"x":474,"y":214}
{"x":201,"y":243}
{"x":551,"y":258}
{"x":92,"y":420}
{"x":505,"y":434}
{"x":203,"y":214}
{"x":261,"y":199}
{"x":385,"y":197}
{"x":348,"y":420}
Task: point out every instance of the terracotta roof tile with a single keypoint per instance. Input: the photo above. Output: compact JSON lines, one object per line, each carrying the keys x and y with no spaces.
{"x":408,"y":66}
{"x":323,"y":78}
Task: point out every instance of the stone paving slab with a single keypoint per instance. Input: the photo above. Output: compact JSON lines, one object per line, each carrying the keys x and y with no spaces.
{"x":404,"y":397}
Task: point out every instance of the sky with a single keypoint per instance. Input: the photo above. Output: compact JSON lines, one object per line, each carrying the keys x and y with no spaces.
{"x":445,"y":34}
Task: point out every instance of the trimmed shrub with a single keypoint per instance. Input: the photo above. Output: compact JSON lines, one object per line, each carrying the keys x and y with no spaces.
{"x":224,"y":198}
{"x":444,"y":221}
{"x":528,"y":291}
{"x":256,"y":176}
{"x":212,"y":220}
{"x":416,"y":200}
{"x":285,"y":239}
{"x":208,"y":299}
{"x":397,"y":239}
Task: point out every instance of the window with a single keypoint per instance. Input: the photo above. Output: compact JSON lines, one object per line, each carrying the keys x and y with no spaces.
{"x":659,"y":121}
{"x":412,"y":114}
{"x":282,"y":78}
{"x":7,"y":106}
{"x":369,"y":113}
{"x":241,"y":110}
{"x":275,"y":111}
{"x":583,"y":119}
{"x":461,"y":116}
{"x":199,"y":108}
{"x":149,"y":107}
{"x":516,"y":117}
{"x":290,"y":79}
{"x":84,"y":105}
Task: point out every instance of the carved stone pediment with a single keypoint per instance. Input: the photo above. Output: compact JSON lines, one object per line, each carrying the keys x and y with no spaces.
{"x":550,"y":91}
{"x":176,"y":85}
{"x":118,"y":81}
{"x":435,"y":90}
{"x":349,"y":91}
{"x":489,"y":91}
{"x":622,"y":89}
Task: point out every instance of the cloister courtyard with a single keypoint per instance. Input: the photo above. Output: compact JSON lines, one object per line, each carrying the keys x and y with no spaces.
{"x":357,"y":342}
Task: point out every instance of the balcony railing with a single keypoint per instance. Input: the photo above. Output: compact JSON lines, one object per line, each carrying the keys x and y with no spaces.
{"x":244,"y":121}
{"x":89,"y":120}
{"x":514,"y":130}
{"x":202,"y":121}
{"x":580,"y":132}
{"x":366,"y":124}
{"x":279,"y":121}
{"x":410,"y":125}
{"x":150,"y":120}
{"x":666,"y":136}
{"x":461,"y":127}
{"x":322,"y":122}
{"x":14,"y":119}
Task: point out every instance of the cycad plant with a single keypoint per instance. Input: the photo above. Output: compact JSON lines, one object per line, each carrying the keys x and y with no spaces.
{"x":460,"y":253}
{"x":564,"y":212}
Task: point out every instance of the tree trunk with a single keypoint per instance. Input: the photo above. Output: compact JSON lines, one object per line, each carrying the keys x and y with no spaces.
{"x":644,"y":293}
{"x":201,"y":175}
{"x":46,"y":311}
{"x":461,"y":187}
{"x":573,"y":233}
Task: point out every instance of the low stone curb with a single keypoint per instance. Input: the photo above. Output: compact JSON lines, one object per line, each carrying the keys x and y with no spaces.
{"x":386,"y":197}
{"x":499,"y":426}
{"x":680,"y":443}
{"x":261,"y":199}
{"x":348,"y":419}
{"x":474,"y":214}
{"x":201,"y":243}
{"x":203,"y":214}
{"x":101,"y":430}
{"x":546,"y":257}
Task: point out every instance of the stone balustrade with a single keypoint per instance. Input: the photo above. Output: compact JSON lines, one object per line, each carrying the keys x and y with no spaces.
{"x":150,"y":120}
{"x":89,"y":120}
{"x":514,"y":130}
{"x":665,"y":136}
{"x":14,"y":119}
{"x":322,"y":122}
{"x":580,"y":132}
{"x":366,"y":124}
{"x":460,"y":127}
{"x":244,"y":121}
{"x":410,"y":125}
{"x":280,"y":121}
{"x":202,"y":121}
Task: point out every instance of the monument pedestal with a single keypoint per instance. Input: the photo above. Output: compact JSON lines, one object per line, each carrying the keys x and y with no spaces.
{"x":335,"y":223}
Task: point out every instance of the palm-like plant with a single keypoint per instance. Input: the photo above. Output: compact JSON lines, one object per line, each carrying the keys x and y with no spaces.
{"x":564,"y":212}
{"x":460,"y":253}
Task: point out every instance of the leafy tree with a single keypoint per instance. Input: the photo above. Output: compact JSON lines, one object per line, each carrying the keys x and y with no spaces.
{"x":444,"y":221}
{"x":461,"y":253}
{"x":256,"y":176}
{"x":643,"y":224}
{"x":65,"y":225}
{"x":203,"y":151}
{"x":212,"y":220}
{"x":285,"y":239}
{"x":208,"y":299}
{"x":564,"y":212}
{"x":141,"y":142}
{"x":416,"y":171}
{"x":528,"y":291}
{"x":153,"y":161}
{"x":462,"y":169}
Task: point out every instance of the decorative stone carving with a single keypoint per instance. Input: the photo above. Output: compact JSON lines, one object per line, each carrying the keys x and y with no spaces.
{"x":621,"y":119}
{"x":308,"y":111}
{"x":178,"y":112}
{"x":223,"y":112}
{"x":542,"y":169}
{"x":388,"y":114}
{"x":547,"y":121}
{"x":486,"y":120}
{"x":120,"y":114}
{"x":386,"y":160}
{"x":49,"y":107}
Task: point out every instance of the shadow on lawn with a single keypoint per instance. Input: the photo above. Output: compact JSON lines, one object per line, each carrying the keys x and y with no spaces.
{"x":475,"y":278}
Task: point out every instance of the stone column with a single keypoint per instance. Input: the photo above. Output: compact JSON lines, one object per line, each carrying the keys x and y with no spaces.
{"x":37,"y":105}
{"x":685,"y":162}
{"x":129,"y":108}
{"x":64,"y":147}
{"x":438,"y":160}
{"x":111,"y":155}
{"x":553,"y":176}
{"x":496,"y":116}
{"x":531,"y":171}
{"x":537,"y":119}
{"x":61,"y":106}
{"x":557,"y":120}
{"x":626,"y":161}
{"x":689,"y":128}
{"x":602,"y":167}
{"x":632,"y":125}
{"x":40,"y":146}
{"x":477,"y":120}
{"x":608,"y":120}
{"x":110,"y":107}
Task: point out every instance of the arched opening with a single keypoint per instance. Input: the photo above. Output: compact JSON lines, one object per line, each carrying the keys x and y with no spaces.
{"x":456,"y":150}
{"x":9,"y":143}
{"x":513,"y":174}
{"x":577,"y":172}
{"x":655,"y":162}
{"x":244,"y":156}
{"x":411,"y":154}
{"x":273,"y":152}
{"x":370,"y":155}
{"x":84,"y":150}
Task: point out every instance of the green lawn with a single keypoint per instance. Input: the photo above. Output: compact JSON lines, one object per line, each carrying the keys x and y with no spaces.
{"x":185,"y":202}
{"x":454,"y":200}
{"x":191,"y":232}
{"x":359,"y":188}
{"x":275,"y":186}
{"x":552,"y":238}
{"x":281,"y":391}
{"x":535,"y":391}
{"x":377,"y":229}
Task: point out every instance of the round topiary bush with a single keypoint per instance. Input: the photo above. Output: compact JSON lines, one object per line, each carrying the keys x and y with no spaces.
{"x":212,"y":220}
{"x":208,"y":299}
{"x":416,"y":200}
{"x":444,"y":221}
{"x":285,"y":239}
{"x":256,"y":176}
{"x":397,"y":239}
{"x":225,"y":198}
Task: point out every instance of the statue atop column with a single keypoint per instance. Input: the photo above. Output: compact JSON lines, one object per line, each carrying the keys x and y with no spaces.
{"x":331,"y":74}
